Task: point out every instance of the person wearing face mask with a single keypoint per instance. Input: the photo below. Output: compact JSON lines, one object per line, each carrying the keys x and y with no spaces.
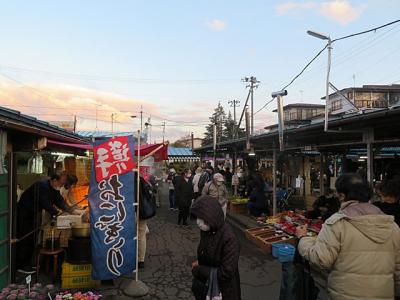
{"x":41,"y":195}
{"x":217,"y":189}
{"x":217,"y":253}
{"x":359,"y":246}
{"x":184,"y":196}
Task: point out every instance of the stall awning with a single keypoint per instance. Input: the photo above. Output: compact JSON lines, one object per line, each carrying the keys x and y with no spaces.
{"x":159,"y":151}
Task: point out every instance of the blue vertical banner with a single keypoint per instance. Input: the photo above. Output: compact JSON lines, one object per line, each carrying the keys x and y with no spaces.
{"x":112,"y":212}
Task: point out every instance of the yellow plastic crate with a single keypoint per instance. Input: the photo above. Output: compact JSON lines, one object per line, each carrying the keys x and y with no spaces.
{"x":69,"y":270}
{"x":77,"y":282}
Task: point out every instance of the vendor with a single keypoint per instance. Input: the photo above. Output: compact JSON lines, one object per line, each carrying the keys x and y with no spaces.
{"x":258,"y":204}
{"x":67,"y":190}
{"x":41,"y":195}
{"x":325,"y":206}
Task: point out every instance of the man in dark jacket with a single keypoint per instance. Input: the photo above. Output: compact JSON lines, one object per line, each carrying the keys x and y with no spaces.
{"x":390,"y":199}
{"x":41,"y":195}
{"x":218,"y":248}
{"x":184,"y":196}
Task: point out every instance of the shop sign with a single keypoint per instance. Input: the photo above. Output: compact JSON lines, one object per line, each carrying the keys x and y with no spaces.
{"x":112,"y":213}
{"x":113,"y":157}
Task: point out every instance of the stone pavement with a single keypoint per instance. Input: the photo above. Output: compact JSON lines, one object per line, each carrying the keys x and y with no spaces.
{"x":171,"y":249}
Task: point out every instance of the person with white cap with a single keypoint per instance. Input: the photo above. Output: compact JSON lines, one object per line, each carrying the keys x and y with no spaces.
{"x":217,"y":189}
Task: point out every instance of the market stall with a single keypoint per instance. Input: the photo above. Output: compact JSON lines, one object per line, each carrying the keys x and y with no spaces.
{"x":281,"y":228}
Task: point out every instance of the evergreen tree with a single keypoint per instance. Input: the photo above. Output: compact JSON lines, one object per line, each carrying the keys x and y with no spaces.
{"x":218,"y":117}
{"x":230,"y":128}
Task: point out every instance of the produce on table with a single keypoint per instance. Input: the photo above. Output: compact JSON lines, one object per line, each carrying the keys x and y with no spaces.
{"x":238,"y":200}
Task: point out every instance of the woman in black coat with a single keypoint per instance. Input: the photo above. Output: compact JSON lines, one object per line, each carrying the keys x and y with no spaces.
{"x":218,"y":248}
{"x":184,"y":195}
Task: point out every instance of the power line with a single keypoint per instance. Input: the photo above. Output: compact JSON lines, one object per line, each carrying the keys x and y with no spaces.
{"x":118,"y":79}
{"x":366,"y":31}
{"x":323,"y":49}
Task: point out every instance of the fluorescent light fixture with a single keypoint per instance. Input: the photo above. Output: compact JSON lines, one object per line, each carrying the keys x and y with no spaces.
{"x":252,"y":152}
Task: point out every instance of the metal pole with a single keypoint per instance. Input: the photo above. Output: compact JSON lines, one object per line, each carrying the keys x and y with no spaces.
{"x":215,"y":141}
{"x":370,"y":163}
{"x":241,"y":117}
{"x":112,"y":123}
{"x":247,"y":130}
{"x":141,"y":119}
{"x":274,"y":182}
{"x":281,"y":124}
{"x":163,"y":133}
{"x":252,"y":104}
{"x":137,"y":206}
{"x":327,"y":85}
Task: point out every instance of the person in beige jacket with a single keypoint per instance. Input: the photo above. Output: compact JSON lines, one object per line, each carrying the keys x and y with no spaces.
{"x":359,"y":246}
{"x":217,"y":189}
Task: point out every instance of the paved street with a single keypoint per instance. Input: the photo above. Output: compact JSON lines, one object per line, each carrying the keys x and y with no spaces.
{"x":171,"y":249}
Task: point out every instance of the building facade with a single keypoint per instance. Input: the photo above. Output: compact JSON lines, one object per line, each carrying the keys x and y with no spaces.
{"x":365,"y":97}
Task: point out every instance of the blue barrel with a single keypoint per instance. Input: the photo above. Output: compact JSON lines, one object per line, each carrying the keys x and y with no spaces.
{"x":286,"y":253}
{"x":275,"y":249}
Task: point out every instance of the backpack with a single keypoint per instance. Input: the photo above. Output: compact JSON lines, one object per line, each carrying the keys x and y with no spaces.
{"x":204,"y":178}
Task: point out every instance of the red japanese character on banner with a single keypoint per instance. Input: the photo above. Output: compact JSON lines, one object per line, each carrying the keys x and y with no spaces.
{"x":113,"y":157}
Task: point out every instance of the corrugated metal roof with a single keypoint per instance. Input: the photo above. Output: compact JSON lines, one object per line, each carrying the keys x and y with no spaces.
{"x":174,"y":151}
{"x":102,"y":134}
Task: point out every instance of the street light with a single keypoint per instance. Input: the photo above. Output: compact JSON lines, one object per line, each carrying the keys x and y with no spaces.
{"x":329,"y":46}
{"x":318,"y":35}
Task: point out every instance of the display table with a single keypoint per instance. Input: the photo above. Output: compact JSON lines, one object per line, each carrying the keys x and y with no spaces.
{"x":238,"y":205}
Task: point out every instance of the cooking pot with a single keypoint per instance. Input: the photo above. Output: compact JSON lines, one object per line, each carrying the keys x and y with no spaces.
{"x":80,"y":230}
{"x":52,"y":243}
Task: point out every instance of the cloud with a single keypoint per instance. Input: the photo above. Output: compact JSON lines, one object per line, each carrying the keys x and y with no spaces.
{"x":63,"y":102}
{"x":341,"y":11}
{"x":216,"y":25}
{"x":295,"y":8}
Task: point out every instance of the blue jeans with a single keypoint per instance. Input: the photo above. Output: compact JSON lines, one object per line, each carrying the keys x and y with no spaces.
{"x":171,"y":198}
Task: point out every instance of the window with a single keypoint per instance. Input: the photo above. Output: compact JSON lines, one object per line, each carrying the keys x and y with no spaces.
{"x":336,"y":105}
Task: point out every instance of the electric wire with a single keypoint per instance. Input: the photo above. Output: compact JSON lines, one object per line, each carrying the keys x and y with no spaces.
{"x":323,"y":49}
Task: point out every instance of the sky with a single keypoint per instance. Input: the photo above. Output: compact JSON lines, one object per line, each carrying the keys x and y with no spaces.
{"x":175,"y":60}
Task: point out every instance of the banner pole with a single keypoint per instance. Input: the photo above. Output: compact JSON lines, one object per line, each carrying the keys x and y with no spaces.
{"x":137,"y":207}
{"x":136,"y":288}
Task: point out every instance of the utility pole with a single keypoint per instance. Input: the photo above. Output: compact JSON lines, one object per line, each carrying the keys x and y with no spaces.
{"x":163,"y":132}
{"x":192,"y":140}
{"x":141,"y":118}
{"x":234,"y":104}
{"x":252,"y":84}
{"x":74,"y":123}
{"x":247,"y":129}
{"x":112,"y":123}
{"x":149,"y":121}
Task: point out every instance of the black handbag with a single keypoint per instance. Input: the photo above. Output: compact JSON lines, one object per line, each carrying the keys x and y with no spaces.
{"x":199,"y":289}
{"x":147,"y":201}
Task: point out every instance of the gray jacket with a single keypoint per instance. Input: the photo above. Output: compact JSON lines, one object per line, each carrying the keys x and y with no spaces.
{"x":216,"y":191}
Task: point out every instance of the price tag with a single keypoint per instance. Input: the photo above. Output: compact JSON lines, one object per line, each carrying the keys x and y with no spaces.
{"x":28,"y":280}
